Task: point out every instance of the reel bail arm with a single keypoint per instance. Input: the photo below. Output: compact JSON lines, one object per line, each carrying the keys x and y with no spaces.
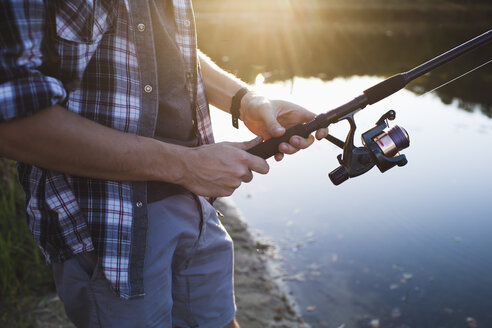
{"x":354,"y":161}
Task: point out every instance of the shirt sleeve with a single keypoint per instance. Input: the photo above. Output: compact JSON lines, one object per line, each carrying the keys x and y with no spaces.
{"x":24,"y":89}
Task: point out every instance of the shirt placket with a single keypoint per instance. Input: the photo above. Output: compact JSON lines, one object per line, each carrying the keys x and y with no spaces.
{"x":144,"y":43}
{"x":186,"y":41}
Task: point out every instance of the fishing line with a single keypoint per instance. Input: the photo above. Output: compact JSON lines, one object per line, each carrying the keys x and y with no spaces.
{"x":457,"y":78}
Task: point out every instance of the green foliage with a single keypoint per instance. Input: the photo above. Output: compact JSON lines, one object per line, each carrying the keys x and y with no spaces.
{"x":23,"y":274}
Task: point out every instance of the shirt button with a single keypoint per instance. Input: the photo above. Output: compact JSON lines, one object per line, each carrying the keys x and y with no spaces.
{"x":187,"y":23}
{"x":139,"y":204}
{"x":141,"y":27}
{"x":189,"y":75}
{"x":148,"y":88}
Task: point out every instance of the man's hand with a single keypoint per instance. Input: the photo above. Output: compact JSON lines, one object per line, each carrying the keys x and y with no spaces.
{"x":269,"y":118}
{"x":59,"y":140}
{"x":218,"y":169}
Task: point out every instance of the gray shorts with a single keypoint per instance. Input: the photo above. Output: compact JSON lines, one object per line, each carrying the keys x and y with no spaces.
{"x":188,"y":274}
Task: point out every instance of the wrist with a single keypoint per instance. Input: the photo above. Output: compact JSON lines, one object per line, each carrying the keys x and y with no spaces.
{"x":168,"y":162}
{"x":251,"y":101}
{"x":245,"y":103}
{"x":236,"y":105}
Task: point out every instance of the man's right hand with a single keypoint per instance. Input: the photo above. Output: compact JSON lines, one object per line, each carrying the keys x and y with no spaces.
{"x":59,"y":140}
{"x":217,"y":170}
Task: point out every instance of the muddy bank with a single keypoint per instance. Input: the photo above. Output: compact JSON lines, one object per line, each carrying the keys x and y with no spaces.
{"x":261,"y":302}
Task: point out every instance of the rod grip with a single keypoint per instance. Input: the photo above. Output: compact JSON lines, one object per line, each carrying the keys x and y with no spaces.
{"x":269,"y":147}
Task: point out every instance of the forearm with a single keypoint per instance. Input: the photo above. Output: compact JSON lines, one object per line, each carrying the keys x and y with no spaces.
{"x":59,"y":140}
{"x":220,"y":86}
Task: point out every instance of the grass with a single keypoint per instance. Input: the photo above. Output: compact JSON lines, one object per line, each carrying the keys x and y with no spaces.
{"x":24,"y":277}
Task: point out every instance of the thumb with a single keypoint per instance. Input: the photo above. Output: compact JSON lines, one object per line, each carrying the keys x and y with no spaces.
{"x":249,"y":144}
{"x":273,"y":126}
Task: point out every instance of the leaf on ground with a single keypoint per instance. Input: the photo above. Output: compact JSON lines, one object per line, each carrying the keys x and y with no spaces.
{"x":311,"y":308}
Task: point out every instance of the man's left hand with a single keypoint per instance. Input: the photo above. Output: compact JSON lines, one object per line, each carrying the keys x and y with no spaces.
{"x":270,"y":118}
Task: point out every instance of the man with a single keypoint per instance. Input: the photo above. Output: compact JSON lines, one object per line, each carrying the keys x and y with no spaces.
{"x":107,"y":103}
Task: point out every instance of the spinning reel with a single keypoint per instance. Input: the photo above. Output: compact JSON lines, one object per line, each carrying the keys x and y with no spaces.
{"x":380,"y":148}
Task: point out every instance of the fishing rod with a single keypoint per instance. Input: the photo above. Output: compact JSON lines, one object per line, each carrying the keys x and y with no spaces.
{"x":380,"y":148}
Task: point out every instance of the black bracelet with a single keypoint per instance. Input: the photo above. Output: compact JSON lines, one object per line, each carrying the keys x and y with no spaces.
{"x":236,"y":104}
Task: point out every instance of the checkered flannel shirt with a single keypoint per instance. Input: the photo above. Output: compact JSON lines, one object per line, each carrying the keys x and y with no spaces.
{"x":95,"y":58}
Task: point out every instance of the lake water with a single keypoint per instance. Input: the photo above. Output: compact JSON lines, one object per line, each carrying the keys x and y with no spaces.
{"x":411,"y":247}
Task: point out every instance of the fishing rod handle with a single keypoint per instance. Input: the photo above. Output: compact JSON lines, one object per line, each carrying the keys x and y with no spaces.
{"x":269,"y":147}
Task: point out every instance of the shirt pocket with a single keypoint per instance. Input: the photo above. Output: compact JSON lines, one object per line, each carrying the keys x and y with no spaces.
{"x":79,"y":27}
{"x":83,"y":21}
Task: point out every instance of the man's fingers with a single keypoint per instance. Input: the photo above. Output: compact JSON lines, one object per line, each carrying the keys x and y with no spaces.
{"x":321,"y":133}
{"x":279,"y":157}
{"x":258,"y":164}
{"x":286,"y":148}
{"x":248,"y":176}
{"x":254,"y":163}
{"x":301,"y":143}
{"x":248,"y":144}
{"x":295,"y":143}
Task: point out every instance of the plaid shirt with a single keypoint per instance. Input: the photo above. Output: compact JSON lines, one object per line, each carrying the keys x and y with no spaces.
{"x":97,"y":59}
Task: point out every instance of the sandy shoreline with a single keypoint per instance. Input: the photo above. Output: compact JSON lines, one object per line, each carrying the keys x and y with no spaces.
{"x":261,"y":301}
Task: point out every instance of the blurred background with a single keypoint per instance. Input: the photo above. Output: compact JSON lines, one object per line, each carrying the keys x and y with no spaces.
{"x":284,"y":39}
{"x":408,"y":248}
